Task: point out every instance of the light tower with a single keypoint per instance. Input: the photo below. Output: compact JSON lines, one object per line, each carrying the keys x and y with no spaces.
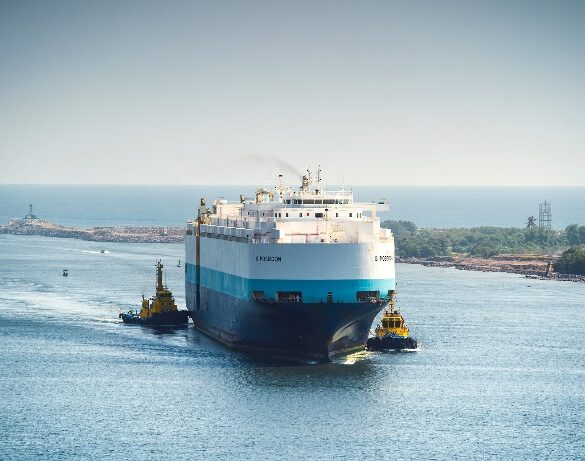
{"x":30,"y":214}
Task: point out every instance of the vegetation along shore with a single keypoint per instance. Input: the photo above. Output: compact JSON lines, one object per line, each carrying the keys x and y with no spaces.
{"x":535,"y":252}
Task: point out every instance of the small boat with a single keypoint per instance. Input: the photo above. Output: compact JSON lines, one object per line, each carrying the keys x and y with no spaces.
{"x":393,"y":333}
{"x":179,"y":265}
{"x":102,"y":251}
{"x":65,"y":273}
{"x":160,"y":310}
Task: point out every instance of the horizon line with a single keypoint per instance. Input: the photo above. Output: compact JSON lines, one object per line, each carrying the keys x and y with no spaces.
{"x":257,"y":185}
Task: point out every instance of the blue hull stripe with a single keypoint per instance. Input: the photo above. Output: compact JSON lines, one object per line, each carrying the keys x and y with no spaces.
{"x":314,"y":291}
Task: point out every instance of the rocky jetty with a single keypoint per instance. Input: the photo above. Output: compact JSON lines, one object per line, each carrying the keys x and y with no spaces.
{"x":132,"y":234}
{"x":530,"y":265}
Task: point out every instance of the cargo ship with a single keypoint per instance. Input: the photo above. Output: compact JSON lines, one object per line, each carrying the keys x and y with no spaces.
{"x":298,"y":272}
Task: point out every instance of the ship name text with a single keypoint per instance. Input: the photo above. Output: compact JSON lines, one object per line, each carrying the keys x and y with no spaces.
{"x":268,"y":259}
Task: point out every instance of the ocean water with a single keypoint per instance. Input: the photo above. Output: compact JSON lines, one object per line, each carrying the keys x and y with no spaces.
{"x":87,"y":206}
{"x":500,"y":375}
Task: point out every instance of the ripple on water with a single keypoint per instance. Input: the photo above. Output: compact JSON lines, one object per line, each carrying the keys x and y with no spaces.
{"x":499,"y":374}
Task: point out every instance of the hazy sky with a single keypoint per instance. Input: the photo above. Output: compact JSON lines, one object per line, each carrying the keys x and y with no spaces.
{"x":377,"y":92}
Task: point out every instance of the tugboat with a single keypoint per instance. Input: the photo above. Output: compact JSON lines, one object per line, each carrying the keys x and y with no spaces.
{"x":160,"y":310}
{"x":393,"y":334}
{"x":65,"y":273}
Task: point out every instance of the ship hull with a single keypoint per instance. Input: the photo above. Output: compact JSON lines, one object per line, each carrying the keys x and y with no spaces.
{"x":314,"y":331}
{"x":242,"y":293}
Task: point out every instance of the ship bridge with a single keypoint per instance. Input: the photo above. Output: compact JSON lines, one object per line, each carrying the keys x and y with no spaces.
{"x":308,"y":214}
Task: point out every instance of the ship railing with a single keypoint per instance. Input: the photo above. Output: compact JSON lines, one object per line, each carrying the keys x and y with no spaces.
{"x":293,"y":238}
{"x":311,"y":240}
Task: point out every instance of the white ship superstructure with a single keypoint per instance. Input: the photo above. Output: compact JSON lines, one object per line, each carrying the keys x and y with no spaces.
{"x":311,"y":267}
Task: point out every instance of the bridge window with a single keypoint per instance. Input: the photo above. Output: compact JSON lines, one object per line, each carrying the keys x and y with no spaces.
{"x":318,"y":215}
{"x":258,"y":295}
{"x":337,"y":215}
{"x":330,"y":297}
{"x":300,"y":215}
{"x":350,"y":215}
{"x":392,"y":323}
{"x":286,"y":215}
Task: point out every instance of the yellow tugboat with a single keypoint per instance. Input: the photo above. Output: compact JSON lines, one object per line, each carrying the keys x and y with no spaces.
{"x":160,"y":310}
{"x":393,"y":332}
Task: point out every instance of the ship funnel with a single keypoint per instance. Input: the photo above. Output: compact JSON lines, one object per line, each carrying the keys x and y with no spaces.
{"x":305,"y":183}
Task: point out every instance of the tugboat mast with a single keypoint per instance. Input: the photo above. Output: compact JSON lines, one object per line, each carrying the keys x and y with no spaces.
{"x":159,"y":278}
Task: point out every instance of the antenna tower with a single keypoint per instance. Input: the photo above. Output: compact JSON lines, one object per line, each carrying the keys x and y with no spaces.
{"x":544,"y":215}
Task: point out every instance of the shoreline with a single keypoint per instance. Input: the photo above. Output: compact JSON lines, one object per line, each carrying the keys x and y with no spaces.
{"x":109,"y":234}
{"x":532,"y":266}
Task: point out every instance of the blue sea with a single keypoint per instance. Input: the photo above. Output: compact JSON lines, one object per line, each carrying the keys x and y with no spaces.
{"x":500,"y":374}
{"x":88,"y":206}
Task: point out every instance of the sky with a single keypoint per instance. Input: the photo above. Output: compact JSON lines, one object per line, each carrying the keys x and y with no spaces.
{"x":236,"y":92}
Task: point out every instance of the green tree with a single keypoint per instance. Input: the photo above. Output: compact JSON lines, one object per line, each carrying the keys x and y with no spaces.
{"x":572,"y":261}
{"x":400,"y":227}
{"x":479,"y":241}
{"x":575,"y":234}
{"x":531,"y":224}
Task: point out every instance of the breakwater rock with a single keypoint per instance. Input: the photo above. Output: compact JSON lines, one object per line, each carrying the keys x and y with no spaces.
{"x":131,"y":234}
{"x":530,"y":265}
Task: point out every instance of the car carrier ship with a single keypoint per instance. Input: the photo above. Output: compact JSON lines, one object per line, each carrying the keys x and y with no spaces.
{"x":296,"y":272}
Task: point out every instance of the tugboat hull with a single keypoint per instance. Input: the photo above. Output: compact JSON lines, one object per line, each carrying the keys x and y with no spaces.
{"x":384,"y":343}
{"x":177,"y":318}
